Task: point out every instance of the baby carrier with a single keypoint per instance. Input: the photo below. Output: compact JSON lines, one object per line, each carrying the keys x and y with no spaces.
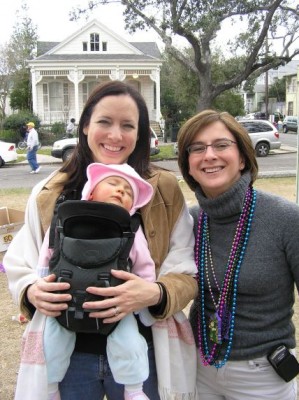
{"x":91,"y":238}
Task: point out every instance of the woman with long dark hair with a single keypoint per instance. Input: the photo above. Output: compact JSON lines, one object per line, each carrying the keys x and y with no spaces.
{"x":113,"y":129}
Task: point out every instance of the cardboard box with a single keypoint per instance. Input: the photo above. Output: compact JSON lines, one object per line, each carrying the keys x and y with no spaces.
{"x":11,"y":222}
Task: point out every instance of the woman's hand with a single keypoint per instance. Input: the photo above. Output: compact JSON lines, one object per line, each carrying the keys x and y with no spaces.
{"x":41,"y":295}
{"x":133,"y":295}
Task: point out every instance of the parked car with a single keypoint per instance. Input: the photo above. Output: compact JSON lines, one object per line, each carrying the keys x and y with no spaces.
{"x":290,"y":123}
{"x":263,"y":134}
{"x":64,"y":148}
{"x":256,"y":115}
{"x":249,"y":116}
{"x":260,"y":115}
{"x":8,"y":152}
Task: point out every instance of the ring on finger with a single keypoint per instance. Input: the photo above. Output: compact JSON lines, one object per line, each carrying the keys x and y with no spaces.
{"x":116,"y":311}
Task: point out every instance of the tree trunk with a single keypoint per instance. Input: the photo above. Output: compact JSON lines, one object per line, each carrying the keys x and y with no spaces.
{"x":205,"y":96}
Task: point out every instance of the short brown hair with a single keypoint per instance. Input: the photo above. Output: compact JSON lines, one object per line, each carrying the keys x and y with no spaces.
{"x":201,"y":120}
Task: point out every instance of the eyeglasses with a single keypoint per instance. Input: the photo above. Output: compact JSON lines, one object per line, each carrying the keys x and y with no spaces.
{"x":218,"y":146}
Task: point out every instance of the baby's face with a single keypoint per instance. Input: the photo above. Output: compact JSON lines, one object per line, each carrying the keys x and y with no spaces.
{"x":115,"y":190}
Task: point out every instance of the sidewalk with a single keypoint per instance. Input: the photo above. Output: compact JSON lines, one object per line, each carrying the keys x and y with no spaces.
{"x":285,"y":149}
{"x":43,"y":159}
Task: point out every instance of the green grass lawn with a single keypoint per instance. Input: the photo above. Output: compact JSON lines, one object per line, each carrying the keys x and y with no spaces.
{"x":166,"y":152}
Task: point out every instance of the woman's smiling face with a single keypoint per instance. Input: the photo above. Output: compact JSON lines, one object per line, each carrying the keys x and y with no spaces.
{"x":216,"y":171}
{"x":112,"y":131}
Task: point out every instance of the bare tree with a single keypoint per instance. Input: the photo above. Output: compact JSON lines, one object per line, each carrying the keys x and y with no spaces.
{"x":201,"y":22}
{"x":4,"y":80}
{"x":21,"y":48}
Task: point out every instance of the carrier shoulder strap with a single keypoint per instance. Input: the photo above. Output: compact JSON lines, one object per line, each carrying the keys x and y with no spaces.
{"x":61,"y":198}
{"x":135,"y":223}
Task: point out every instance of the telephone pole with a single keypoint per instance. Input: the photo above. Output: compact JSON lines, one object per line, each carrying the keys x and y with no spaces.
{"x":267,"y":83}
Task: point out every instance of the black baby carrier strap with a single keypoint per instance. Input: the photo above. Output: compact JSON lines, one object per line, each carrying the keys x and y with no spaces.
{"x":91,"y":238}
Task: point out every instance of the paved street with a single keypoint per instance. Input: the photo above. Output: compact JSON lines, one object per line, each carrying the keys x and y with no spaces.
{"x":282,"y":162}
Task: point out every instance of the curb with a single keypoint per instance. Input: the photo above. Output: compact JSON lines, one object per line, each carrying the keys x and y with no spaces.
{"x":277,"y":174}
{"x":50,"y":160}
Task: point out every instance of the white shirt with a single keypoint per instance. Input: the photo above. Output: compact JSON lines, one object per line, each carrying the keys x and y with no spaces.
{"x":32,"y":139}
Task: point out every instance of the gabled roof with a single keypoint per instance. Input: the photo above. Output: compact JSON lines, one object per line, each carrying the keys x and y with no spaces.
{"x":147,"y":50}
{"x":44,"y":47}
{"x":94,"y":24}
{"x":70,"y":50}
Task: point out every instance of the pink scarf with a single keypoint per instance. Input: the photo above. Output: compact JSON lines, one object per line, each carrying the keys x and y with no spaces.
{"x":175,"y":354}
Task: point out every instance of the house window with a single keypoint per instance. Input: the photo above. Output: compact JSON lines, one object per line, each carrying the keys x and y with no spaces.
{"x":291,"y":87}
{"x":45,"y":97}
{"x":135,"y":84}
{"x":84,"y":45}
{"x":65,"y":96}
{"x":87,"y":88}
{"x":56,"y":96}
{"x":155,"y":96}
{"x":290,"y":108}
{"x":84,"y":92}
{"x":104,"y":46}
{"x":94,"y":42}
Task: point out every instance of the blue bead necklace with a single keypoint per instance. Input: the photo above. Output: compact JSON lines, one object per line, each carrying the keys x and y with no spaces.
{"x":216,"y":334}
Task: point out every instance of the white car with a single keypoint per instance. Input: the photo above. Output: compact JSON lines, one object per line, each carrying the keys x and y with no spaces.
{"x":8,"y":152}
{"x":64,"y":148}
{"x":249,"y":116}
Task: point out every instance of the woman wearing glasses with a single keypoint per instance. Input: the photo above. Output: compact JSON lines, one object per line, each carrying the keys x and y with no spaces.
{"x":246,"y":251}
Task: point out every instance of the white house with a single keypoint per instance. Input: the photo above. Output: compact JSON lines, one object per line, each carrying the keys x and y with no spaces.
{"x":256,"y":101}
{"x":63,"y":74}
{"x":292,"y":94}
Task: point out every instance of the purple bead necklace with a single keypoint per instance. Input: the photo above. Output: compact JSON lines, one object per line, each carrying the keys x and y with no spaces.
{"x":217,"y":333}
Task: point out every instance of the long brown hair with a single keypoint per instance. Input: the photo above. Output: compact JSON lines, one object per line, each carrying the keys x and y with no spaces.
{"x":201,"y":120}
{"x":82,"y":155}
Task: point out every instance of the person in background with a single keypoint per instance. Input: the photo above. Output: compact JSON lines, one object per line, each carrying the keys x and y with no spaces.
{"x":246,"y":251}
{"x":24,"y":132}
{"x":113,"y":129}
{"x":279,"y":125}
{"x":32,"y":147}
{"x":70,"y":129}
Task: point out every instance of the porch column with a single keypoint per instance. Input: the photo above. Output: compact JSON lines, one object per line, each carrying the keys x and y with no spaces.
{"x":33,"y":89}
{"x":77,"y":113}
{"x":117,"y":74}
{"x":155,"y":76}
{"x":158,"y":94}
{"x":76,"y":76}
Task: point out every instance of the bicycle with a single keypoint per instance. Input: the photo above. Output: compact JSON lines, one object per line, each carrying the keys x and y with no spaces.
{"x":22,"y":145}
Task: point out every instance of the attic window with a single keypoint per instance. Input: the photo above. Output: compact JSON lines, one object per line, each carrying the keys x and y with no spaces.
{"x":84,"y":44}
{"x":104,"y":46}
{"x":94,"y":42}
